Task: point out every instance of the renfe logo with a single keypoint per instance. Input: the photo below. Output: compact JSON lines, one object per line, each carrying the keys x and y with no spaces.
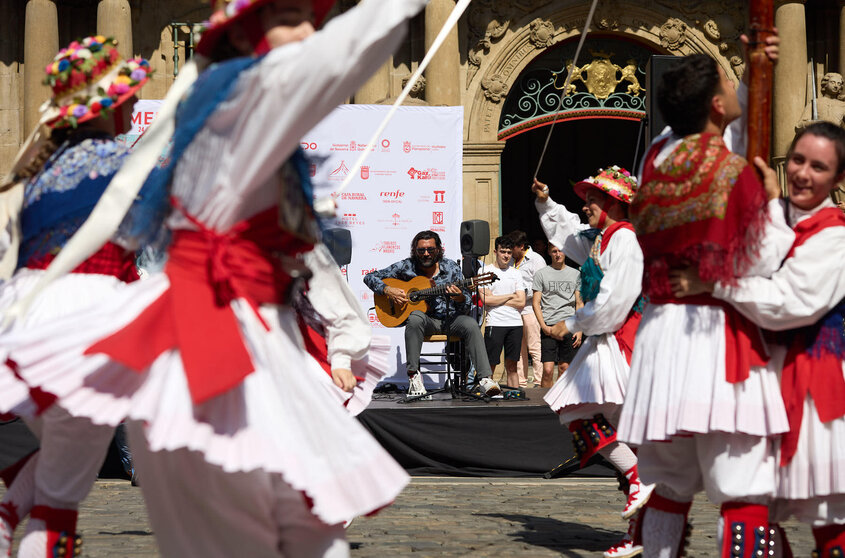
{"x":440,"y":196}
{"x":392,"y":197}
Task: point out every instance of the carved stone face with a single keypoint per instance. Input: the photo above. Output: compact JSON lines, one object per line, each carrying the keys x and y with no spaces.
{"x":831,"y":84}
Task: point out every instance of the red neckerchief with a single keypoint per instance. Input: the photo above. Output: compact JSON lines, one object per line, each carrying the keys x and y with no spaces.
{"x":820,"y":376}
{"x":207,"y":270}
{"x":703,"y":204}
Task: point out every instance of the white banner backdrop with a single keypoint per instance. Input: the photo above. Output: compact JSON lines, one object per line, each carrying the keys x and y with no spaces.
{"x":413,"y":181}
{"x":143,"y":114}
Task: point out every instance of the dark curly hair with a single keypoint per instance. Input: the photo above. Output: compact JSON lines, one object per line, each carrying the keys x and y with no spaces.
{"x":685,"y":91}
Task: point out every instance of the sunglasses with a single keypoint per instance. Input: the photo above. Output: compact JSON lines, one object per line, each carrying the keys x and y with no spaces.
{"x":422,"y":251}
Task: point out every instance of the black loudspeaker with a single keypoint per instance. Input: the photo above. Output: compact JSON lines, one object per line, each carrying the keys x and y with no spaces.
{"x":475,"y":237}
{"x":339,"y":243}
{"x":654,"y":70}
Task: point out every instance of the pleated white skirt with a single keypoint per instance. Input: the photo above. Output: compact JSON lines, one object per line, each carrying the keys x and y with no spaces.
{"x":594,"y":383}
{"x":281,"y":419}
{"x":678,"y":386}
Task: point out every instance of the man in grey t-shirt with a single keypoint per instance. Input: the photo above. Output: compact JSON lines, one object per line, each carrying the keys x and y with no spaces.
{"x":556,"y":298}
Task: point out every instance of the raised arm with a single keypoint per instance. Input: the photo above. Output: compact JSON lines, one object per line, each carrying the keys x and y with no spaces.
{"x":562,"y":227}
{"x":295,"y":86}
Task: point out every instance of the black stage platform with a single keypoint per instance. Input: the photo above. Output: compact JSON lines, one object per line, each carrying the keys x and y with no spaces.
{"x":502,"y":438}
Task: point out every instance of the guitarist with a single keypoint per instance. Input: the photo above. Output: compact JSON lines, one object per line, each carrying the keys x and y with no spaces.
{"x":445,"y":314}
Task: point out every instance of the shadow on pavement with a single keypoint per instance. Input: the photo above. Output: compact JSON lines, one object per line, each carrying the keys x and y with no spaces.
{"x":560,"y":536}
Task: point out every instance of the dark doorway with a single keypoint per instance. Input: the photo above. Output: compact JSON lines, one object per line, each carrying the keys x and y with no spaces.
{"x":577,"y":149}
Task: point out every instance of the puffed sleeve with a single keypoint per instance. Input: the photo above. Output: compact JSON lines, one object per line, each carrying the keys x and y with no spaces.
{"x":803,"y":290}
{"x":347,"y":330}
{"x":622,"y":262}
{"x":562,"y":228}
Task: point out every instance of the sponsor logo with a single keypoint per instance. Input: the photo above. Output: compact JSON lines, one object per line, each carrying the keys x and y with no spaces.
{"x":366,"y":296}
{"x":312,"y":170}
{"x":350,"y":220}
{"x":373,"y":318}
{"x":396,"y":221}
{"x":386,"y":247}
{"x":437,"y":218}
{"x":308,"y":146}
{"x":344,"y":271}
{"x":366,"y":271}
{"x":340,"y":172}
{"x":406,"y":147}
{"x":437,"y":228}
{"x":365,"y":173}
{"x":392,"y":197}
{"x":354,"y":196}
{"x":385,"y":145}
{"x":353,"y":146}
{"x":440,"y":196}
{"x":426,"y":174}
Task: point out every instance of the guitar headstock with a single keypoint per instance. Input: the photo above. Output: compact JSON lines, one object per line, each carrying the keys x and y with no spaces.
{"x":484,"y":279}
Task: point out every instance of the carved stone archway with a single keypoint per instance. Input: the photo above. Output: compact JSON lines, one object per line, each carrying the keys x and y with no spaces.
{"x":503,"y":38}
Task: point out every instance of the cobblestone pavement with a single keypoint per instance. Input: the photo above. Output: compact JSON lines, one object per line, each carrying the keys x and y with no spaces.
{"x":442,"y":517}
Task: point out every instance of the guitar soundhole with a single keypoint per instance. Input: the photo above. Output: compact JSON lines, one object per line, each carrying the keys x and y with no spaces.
{"x":414,"y":296}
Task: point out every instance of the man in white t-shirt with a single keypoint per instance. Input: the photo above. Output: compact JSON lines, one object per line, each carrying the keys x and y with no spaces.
{"x":504,"y":301}
{"x":528,"y":262}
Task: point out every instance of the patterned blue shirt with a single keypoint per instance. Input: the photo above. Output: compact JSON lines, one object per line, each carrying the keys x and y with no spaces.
{"x":405,"y":270}
{"x":60,"y":198}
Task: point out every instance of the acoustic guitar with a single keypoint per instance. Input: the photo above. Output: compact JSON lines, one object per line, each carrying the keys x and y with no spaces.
{"x":418,"y":290}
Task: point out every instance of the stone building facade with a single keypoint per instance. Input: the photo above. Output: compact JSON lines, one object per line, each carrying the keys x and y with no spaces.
{"x":505,"y":64}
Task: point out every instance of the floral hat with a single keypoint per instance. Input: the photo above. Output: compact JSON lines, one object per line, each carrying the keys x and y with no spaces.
{"x":614,"y":181}
{"x":89,"y":78}
{"x":229,"y":11}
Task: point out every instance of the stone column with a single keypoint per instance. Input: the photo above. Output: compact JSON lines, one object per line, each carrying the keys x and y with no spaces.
{"x":482,"y":161}
{"x":377,"y":87}
{"x":11,"y":109}
{"x":790,"y":87}
{"x":114,"y":19}
{"x":443,"y":73}
{"x":41,"y":43}
{"x":841,"y":36}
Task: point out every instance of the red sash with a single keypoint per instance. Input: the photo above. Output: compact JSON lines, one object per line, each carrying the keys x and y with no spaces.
{"x":111,"y":259}
{"x":207,"y":270}
{"x":626,"y":334}
{"x":803,"y":373}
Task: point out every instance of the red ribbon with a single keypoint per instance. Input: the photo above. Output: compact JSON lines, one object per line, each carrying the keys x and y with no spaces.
{"x":820,"y":376}
{"x":207,"y":270}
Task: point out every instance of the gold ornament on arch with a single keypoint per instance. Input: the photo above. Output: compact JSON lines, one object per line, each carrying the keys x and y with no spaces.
{"x":600,"y":76}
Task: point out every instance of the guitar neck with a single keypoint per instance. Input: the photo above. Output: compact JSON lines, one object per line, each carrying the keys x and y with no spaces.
{"x":441,"y":289}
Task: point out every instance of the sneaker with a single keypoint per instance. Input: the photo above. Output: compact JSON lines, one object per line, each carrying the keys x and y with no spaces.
{"x":416,"y":387}
{"x":638,"y":493}
{"x":489,"y":387}
{"x":624,"y":548}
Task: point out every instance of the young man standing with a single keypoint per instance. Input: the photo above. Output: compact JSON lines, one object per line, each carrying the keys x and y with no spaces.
{"x":504,"y":301}
{"x":528,"y":262}
{"x":556,"y":298}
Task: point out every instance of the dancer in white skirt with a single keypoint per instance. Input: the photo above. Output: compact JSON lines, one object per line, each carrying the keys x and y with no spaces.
{"x":700,"y":404}
{"x":589,"y":395}
{"x":241,"y":451}
{"x":58,"y":177}
{"x":804,"y":301}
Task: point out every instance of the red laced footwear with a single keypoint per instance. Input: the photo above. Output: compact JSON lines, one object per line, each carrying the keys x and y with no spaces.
{"x":638,"y":493}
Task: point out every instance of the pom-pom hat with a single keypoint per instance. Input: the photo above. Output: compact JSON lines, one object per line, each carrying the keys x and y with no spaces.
{"x":228,"y":12}
{"x":88,"y":79}
{"x":613,"y":181}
